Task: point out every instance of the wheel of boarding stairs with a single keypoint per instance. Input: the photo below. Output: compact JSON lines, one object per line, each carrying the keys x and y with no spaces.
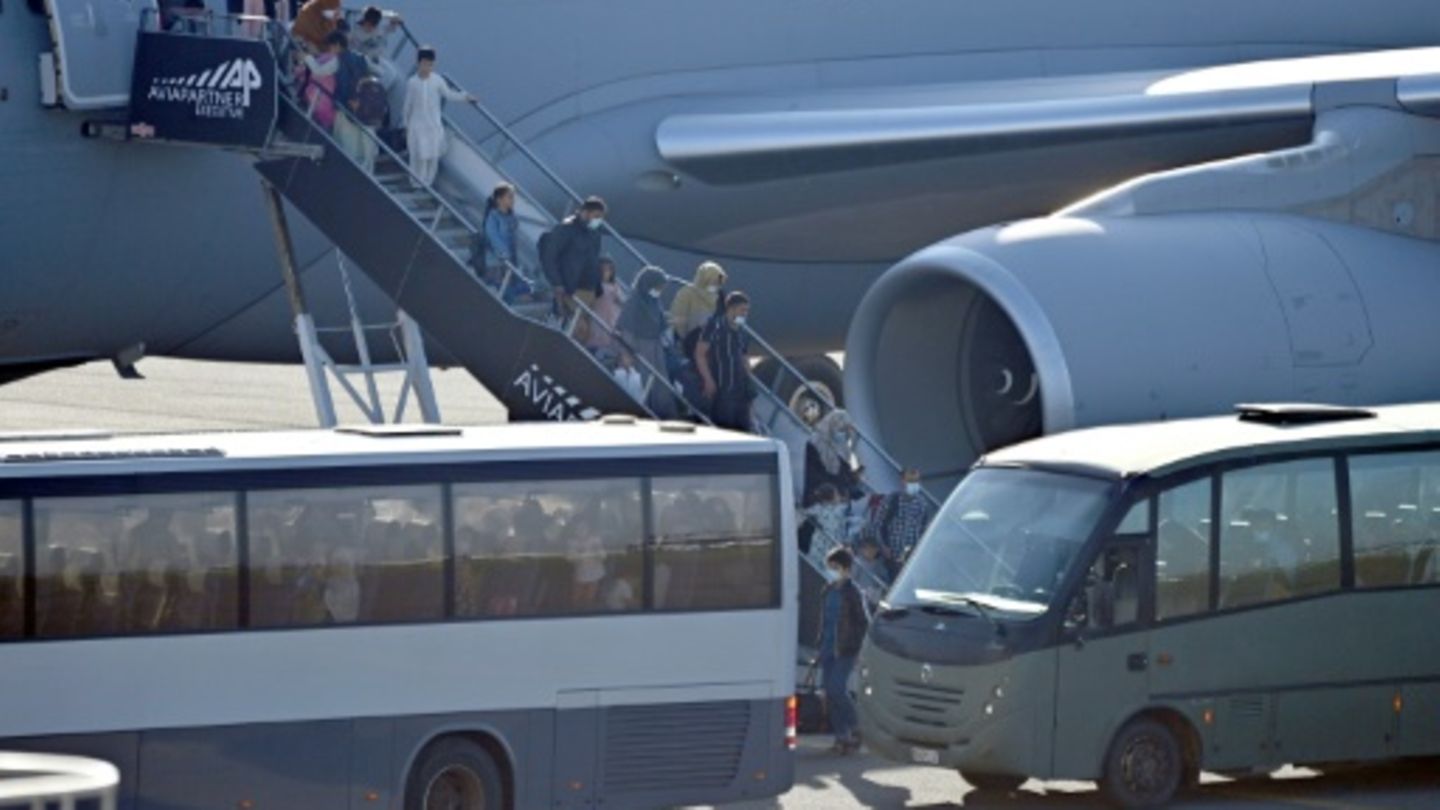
{"x":823,"y":374}
{"x":455,"y":774}
{"x":1145,"y":766}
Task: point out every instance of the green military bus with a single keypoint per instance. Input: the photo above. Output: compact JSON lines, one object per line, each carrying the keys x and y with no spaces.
{"x":1136,"y":604}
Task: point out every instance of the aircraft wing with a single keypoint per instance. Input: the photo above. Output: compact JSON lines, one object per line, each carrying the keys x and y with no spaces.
{"x":809,"y":133}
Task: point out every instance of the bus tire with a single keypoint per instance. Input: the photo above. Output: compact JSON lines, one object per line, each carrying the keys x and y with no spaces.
{"x":455,"y":774}
{"x":993,"y":782}
{"x":1145,"y":766}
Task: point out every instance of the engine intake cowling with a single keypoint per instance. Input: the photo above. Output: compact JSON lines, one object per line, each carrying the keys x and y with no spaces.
{"x":1005,"y":333}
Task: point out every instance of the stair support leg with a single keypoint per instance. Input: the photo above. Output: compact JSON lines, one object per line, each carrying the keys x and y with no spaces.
{"x":310,"y":350}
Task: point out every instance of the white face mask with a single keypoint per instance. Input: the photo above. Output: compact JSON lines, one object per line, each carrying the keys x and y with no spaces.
{"x":593,"y":224}
{"x":912,"y":488}
{"x":740,"y":321}
{"x":713,"y":288}
{"x":655,"y":293}
{"x":831,"y":575}
{"x":330,"y":14}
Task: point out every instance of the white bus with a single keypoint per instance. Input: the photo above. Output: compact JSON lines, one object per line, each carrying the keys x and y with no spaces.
{"x":524,"y":616}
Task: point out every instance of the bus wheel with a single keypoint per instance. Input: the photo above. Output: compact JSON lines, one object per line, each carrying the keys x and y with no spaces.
{"x":993,"y":782}
{"x":455,"y":774}
{"x":1145,"y":766}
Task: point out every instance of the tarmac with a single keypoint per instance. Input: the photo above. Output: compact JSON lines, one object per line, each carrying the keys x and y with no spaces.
{"x":826,"y":782}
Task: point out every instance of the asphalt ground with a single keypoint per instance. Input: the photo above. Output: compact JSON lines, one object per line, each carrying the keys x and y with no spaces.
{"x":185,"y":396}
{"x":826,"y":782}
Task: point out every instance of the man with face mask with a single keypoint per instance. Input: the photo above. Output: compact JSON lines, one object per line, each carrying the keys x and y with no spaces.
{"x":842,"y":631}
{"x":570,"y":258}
{"x":723,"y":357}
{"x":900,"y":521}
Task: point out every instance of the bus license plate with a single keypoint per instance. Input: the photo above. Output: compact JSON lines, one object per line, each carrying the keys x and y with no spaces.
{"x":925,"y":756}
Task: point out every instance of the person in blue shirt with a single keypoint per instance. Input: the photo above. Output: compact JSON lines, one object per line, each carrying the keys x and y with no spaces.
{"x":842,"y":631}
{"x":500,"y":227}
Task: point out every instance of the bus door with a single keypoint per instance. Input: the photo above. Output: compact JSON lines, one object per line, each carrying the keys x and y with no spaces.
{"x":1104,"y":658}
{"x":94,"y":50}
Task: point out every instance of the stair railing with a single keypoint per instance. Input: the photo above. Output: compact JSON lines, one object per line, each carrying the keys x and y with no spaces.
{"x":784,"y":369}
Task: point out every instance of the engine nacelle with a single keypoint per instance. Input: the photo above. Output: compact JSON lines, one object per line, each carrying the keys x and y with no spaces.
{"x":1002,"y":334}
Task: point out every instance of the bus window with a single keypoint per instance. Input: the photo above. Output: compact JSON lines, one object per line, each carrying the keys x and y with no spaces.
{"x":1279,"y":535}
{"x":340,"y":556}
{"x":12,"y":571}
{"x":715,"y":542}
{"x":1396,"y":519}
{"x":135,"y":564}
{"x":547,"y":548}
{"x":1182,"y":551}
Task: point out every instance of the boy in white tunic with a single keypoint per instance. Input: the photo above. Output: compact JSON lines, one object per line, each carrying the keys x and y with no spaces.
{"x":424,"y":129}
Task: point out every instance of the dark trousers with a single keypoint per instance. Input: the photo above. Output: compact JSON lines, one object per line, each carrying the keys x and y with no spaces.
{"x":835,"y":672}
{"x":731,"y":409}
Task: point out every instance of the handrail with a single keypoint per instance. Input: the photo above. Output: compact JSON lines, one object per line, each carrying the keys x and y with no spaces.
{"x":286,"y":46}
{"x":59,"y":779}
{"x":341,"y":109}
{"x":785,"y":367}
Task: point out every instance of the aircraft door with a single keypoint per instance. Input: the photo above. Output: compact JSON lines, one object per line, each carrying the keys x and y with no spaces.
{"x":94,"y":50}
{"x":1104,"y":660}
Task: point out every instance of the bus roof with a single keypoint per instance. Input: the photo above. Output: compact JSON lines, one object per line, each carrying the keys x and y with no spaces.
{"x":1160,"y":448}
{"x":90,"y":452}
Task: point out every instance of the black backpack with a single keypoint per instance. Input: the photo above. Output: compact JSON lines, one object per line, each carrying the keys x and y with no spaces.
{"x":372,"y":104}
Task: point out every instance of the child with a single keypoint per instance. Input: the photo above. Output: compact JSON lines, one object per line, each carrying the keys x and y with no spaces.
{"x":320,"y":83}
{"x":424,"y":124}
{"x":828,"y":515}
{"x":607,"y":307}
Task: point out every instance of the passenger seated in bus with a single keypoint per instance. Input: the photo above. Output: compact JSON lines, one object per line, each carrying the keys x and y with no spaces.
{"x":719,"y":517}
{"x":1184,"y":569}
{"x":587,"y":556}
{"x":342,"y":588}
{"x":153,"y":591}
{"x":12,"y":608}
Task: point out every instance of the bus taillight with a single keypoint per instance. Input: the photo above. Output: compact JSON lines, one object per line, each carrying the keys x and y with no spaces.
{"x":792,"y":714}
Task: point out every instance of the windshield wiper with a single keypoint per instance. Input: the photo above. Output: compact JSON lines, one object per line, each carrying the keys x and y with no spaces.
{"x":981,"y":609}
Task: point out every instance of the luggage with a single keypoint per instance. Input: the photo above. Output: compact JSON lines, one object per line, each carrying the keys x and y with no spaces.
{"x":810,"y":704}
{"x":372,"y":105}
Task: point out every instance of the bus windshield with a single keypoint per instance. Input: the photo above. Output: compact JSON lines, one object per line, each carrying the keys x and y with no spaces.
{"x":1003,"y":542}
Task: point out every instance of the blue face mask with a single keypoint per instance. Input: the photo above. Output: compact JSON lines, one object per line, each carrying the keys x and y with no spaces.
{"x":593,"y":224}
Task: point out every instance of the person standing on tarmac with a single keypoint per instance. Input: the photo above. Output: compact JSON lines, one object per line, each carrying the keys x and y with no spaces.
{"x":842,"y":630}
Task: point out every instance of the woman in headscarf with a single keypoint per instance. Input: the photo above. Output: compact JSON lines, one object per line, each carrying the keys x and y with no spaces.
{"x":644,"y":328}
{"x":696,"y":302}
{"x":829,"y":457}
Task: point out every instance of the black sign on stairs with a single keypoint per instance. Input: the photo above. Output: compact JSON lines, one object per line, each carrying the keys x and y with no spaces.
{"x":211,"y":90}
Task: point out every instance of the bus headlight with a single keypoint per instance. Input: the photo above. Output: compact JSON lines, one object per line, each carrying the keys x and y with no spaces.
{"x":998,"y":692}
{"x":989,"y":709}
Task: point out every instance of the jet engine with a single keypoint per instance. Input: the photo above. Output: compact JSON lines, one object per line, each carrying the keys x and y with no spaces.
{"x":1006,"y":333}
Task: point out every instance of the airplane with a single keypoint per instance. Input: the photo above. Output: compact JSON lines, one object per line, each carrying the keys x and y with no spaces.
{"x":809,"y":146}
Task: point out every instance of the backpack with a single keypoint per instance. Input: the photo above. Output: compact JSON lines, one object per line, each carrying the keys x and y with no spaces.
{"x":372,"y":105}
